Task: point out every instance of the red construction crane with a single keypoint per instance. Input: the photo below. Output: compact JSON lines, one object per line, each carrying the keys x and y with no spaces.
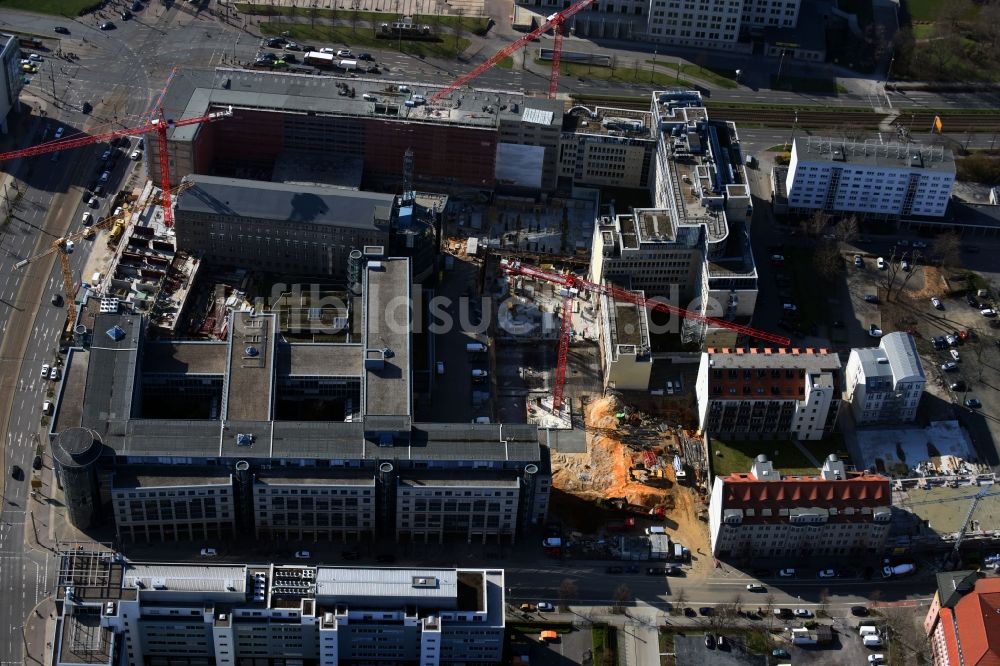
{"x":158,"y":125}
{"x":554,"y":22}
{"x":570,"y":282}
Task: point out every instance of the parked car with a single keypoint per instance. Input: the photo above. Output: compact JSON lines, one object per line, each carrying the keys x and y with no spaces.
{"x":973,"y":403}
{"x":955,"y":355}
{"x":59,"y":132}
{"x":209,"y":552}
{"x":344,"y":53}
{"x":871,"y":298}
{"x":859,"y":611}
{"x":365,"y":56}
{"x":787,"y":573}
{"x":950,"y":366}
{"x":880,"y":262}
{"x":951,"y":339}
{"x":858,"y":261}
{"x":920,"y":244}
{"x":706,"y":611}
{"x":54,"y":373}
{"x":61,"y":30}
{"x":988,"y":312}
{"x":135,"y":156}
{"x":107,"y":25}
{"x":756,"y":587}
{"x":802,"y":612}
{"x":874,"y":331}
{"x":780,"y":653}
{"x":545,"y":606}
{"x":302,"y":555}
{"x":827,"y":573}
{"x":958,"y":386}
{"x":936,"y":302}
{"x":16,"y":472}
{"x":45,"y":370}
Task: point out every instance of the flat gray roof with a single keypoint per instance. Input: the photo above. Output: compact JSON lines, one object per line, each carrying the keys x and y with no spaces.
{"x":346,"y":585}
{"x":194,"y":91}
{"x":250,"y":382}
{"x":320,"y":359}
{"x":875,"y":153}
{"x":387,"y":389}
{"x":111,"y":371}
{"x":188,"y":358}
{"x":286,"y":202}
{"x":808,"y":359}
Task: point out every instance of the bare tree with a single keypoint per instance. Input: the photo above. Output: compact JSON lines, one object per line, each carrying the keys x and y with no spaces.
{"x":355,"y":15}
{"x":892,"y":268}
{"x":459,"y":25}
{"x":567,"y":592}
{"x":915,"y":264}
{"x":823,"y":602}
{"x":847,"y":229}
{"x":816,"y":223}
{"x":827,"y":260}
{"x":769,"y":609}
{"x":948,"y":246}
{"x":680,"y":599}
{"x":623,"y":597}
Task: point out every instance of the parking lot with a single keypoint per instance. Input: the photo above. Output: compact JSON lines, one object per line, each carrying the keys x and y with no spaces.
{"x":573,"y":647}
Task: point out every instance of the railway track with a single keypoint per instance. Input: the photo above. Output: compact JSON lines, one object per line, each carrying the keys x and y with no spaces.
{"x":958,"y":121}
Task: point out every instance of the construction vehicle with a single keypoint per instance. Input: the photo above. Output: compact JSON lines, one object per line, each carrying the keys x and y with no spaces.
{"x":554,"y":22}
{"x":62,"y":246}
{"x":572,"y":284}
{"x":157,"y":125}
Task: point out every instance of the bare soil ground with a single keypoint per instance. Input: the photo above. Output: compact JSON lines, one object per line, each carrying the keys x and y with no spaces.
{"x":582,"y":479}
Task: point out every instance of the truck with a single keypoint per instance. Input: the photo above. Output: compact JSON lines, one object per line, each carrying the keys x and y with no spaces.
{"x":621,"y":525}
{"x":319,"y":59}
{"x":475,"y":347}
{"x":889,"y":571}
{"x":680,"y":553}
{"x":679,"y":472}
{"x":348,"y":65}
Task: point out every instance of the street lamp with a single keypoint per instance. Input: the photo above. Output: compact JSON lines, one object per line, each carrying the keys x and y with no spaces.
{"x":781,"y":63}
{"x":652,"y":72}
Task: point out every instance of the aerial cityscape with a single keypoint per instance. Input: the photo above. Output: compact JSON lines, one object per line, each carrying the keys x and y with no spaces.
{"x":469,"y":332}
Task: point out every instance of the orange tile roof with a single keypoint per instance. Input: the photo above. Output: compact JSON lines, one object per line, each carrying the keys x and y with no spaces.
{"x":950,"y":639}
{"x":744,"y":491}
{"x":978,"y":618}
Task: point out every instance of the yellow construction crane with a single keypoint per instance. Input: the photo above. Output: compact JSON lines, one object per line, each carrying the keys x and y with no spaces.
{"x":60,"y":245}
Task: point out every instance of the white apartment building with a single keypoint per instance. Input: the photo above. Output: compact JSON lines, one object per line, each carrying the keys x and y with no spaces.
{"x":884,"y":384}
{"x":115,"y":612}
{"x":763,"y":514}
{"x":869,"y":178}
{"x":768,"y":394}
{"x":713,"y":24}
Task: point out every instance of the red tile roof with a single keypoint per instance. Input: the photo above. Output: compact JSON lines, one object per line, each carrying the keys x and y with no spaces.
{"x":950,"y":640}
{"x":744,"y":491}
{"x":978,"y":618}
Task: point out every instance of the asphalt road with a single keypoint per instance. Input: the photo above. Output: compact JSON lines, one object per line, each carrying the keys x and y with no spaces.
{"x":120,"y":72}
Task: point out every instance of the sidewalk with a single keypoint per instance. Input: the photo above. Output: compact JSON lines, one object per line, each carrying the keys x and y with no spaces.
{"x":39,"y":633}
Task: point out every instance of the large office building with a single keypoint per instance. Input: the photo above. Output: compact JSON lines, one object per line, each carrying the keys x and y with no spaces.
{"x":260,"y":437}
{"x":11,"y":78}
{"x":281,"y":227}
{"x":301,"y":128}
{"x":120,"y":613}
{"x":963,"y":622}
{"x":763,"y":514}
{"x":884,"y":384}
{"x":691,"y":249}
{"x":714,"y":24}
{"x":768,"y":394}
{"x":607,"y":147}
{"x":869,"y":178}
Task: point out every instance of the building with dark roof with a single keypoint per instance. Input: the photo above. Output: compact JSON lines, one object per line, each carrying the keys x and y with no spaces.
{"x":296,"y":228}
{"x":224,"y":462}
{"x":768,"y":394}
{"x":765,"y":514}
{"x":963,"y":622}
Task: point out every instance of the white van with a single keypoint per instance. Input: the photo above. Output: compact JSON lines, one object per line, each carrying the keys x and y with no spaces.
{"x":872,"y":641}
{"x":868,"y":630}
{"x":481,"y":420}
{"x":88,"y":219}
{"x":656,"y":529}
